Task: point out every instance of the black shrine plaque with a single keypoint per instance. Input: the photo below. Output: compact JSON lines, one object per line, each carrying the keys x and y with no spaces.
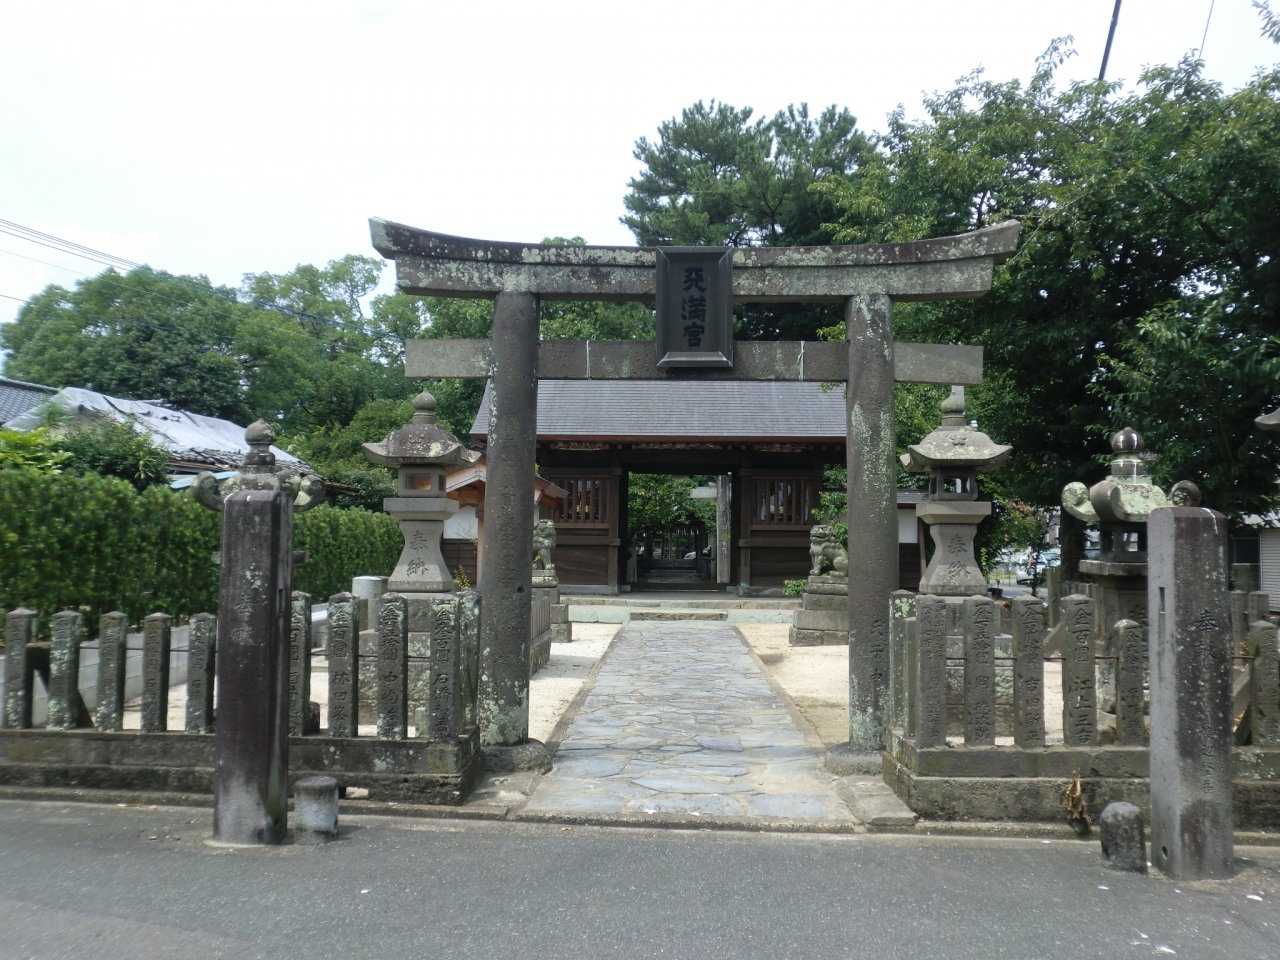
{"x":695,"y":307}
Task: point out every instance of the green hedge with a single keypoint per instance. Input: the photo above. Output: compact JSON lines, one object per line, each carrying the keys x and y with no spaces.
{"x":96,"y":544}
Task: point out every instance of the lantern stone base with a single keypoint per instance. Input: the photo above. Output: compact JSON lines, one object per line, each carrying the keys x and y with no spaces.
{"x":421,"y":567}
{"x":822,"y":619}
{"x":953,"y":572}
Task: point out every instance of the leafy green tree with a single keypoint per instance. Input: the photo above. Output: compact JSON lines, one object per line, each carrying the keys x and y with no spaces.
{"x":717,"y":177}
{"x":142,"y":335}
{"x":656,"y":501}
{"x":1149,"y":259}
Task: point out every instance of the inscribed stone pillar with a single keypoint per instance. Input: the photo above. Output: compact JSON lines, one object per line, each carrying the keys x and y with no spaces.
{"x":299,"y":662}
{"x":19,"y":631}
{"x":909,"y":678}
{"x":344,"y":664}
{"x":202,"y":645}
{"x":113,"y":640}
{"x":931,"y":672}
{"x":980,"y":622}
{"x":1131,"y":650}
{"x":442,"y":706}
{"x":64,"y":670}
{"x":1027,"y":628}
{"x":1264,"y":684}
{"x":156,"y":647}
{"x":1079,"y":678}
{"x":469,"y":653}
{"x":508,"y":523}
{"x":393,"y":667}
{"x":902,"y":607}
{"x":1191,"y":815}
{"x":872,"y":518}
{"x":251,"y":743}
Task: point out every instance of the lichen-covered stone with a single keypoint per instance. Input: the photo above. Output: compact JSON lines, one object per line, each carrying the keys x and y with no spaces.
{"x":299,"y":662}
{"x":157,"y":644}
{"x":315,"y":810}
{"x":1191,"y":795}
{"x":251,"y":743}
{"x":113,"y":636}
{"x":1028,"y":672}
{"x":202,"y":645}
{"x":64,"y":670}
{"x":344,"y":665}
{"x":393,"y":667}
{"x":1124,"y":838}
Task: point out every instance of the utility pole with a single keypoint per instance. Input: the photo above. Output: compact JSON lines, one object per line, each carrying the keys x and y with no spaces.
{"x":1111,"y":35}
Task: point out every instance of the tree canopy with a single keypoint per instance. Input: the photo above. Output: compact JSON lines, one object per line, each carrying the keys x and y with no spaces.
{"x":1145,"y":289}
{"x":717,"y":177}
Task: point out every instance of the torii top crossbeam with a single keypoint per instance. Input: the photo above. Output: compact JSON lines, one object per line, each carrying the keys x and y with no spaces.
{"x":439,"y":265}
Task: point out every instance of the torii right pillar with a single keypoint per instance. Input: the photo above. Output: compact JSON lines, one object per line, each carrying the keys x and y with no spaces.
{"x":873,"y":527}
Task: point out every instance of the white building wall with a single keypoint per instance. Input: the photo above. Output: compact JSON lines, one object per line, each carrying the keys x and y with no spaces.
{"x":1269,"y":564}
{"x":462,"y":525}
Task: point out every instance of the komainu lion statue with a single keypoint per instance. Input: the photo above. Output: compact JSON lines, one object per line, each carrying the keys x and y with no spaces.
{"x":825,"y":550}
{"x":544,"y":542}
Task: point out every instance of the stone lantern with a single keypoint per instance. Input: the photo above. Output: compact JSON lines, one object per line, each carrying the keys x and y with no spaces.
{"x":1118,"y":506}
{"x":953,"y":455}
{"x":421,"y":451}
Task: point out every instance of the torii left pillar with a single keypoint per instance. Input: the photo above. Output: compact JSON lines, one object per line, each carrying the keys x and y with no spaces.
{"x":506,"y":565}
{"x":873,"y":527}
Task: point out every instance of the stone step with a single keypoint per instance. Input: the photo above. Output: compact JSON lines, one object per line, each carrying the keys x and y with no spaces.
{"x":679,"y":615}
{"x":639,"y":602}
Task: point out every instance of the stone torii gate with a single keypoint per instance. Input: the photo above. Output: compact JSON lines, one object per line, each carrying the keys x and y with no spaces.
{"x":867,"y":278}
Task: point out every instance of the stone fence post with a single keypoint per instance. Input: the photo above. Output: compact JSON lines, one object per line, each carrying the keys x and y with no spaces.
{"x":1264,"y":684}
{"x":202,"y":637}
{"x":156,"y":648}
{"x":299,"y":664}
{"x":64,"y":670}
{"x":113,"y":644}
{"x":1079,"y":676}
{"x":1027,"y":629}
{"x":393,"y":667}
{"x":931,"y":672}
{"x":344,"y":665}
{"x":19,"y":676}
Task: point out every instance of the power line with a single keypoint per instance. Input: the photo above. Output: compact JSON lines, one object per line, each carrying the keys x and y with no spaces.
{"x":1206,"y":28}
{"x":1111,"y":35}
{"x":32,"y":235}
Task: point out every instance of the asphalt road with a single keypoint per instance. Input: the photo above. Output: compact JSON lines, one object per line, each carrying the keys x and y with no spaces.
{"x":99,"y":883}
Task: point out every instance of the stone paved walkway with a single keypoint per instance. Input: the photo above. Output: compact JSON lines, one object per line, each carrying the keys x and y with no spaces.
{"x":682,"y":720}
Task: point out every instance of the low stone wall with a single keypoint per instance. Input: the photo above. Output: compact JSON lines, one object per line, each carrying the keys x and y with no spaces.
{"x":409,"y":771}
{"x":1008,"y":783}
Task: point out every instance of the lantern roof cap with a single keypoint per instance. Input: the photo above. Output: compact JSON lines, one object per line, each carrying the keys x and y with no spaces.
{"x":955,"y":443}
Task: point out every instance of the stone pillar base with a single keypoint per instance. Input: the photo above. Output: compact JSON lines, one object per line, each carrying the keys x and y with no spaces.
{"x":823,"y":616}
{"x":844,"y":761}
{"x":530,"y":755}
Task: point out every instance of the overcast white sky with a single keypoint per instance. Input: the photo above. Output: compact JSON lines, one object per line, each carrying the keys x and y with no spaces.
{"x":221,"y":138}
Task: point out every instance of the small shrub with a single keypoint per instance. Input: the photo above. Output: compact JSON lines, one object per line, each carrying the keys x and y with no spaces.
{"x":794,"y":588}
